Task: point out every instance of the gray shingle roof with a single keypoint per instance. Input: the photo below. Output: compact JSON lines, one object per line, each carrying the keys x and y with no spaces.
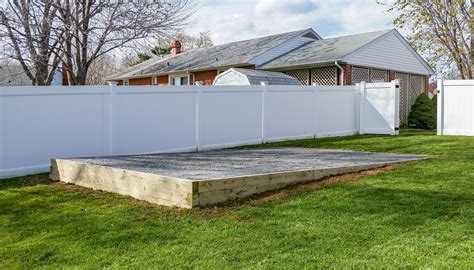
{"x":230,"y":54}
{"x":323,"y":51}
{"x":241,"y":52}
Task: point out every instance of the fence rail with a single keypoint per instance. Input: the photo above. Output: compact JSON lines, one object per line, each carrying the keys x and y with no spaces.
{"x":40,"y":123}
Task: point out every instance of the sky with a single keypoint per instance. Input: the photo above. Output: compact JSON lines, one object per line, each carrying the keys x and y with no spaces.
{"x":232,"y":20}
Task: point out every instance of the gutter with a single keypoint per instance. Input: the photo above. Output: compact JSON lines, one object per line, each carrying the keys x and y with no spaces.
{"x":342,"y":71}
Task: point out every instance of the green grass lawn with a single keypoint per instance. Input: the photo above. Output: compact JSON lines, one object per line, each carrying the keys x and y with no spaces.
{"x":416,"y":215}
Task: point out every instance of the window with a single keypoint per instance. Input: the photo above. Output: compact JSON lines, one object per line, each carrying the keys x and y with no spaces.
{"x":179,"y":80}
{"x":154,"y":81}
{"x":125,"y":82}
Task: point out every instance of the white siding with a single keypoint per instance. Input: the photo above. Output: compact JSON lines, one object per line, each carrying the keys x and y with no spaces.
{"x":281,"y":49}
{"x":388,"y":52}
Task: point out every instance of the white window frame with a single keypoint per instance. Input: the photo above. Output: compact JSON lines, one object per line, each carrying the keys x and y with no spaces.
{"x":178,"y":76}
{"x":126,"y":82}
{"x":154,"y":80}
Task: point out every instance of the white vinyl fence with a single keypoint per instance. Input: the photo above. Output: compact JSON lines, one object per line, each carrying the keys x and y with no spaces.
{"x":40,"y":123}
{"x":456,"y":107}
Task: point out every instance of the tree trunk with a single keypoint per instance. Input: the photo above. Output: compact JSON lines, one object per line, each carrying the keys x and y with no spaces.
{"x":471,"y":24}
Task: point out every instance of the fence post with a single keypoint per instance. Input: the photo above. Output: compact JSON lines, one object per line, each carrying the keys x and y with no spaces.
{"x":396,"y":86}
{"x":109,"y":117}
{"x":197,"y":130}
{"x":362,"y":94}
{"x":264,"y":90}
{"x":440,"y":109}
{"x":315,"y":110}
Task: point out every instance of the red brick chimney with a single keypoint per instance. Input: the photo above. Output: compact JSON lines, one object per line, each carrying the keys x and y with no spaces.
{"x":175,"y":47}
{"x":65,"y":80}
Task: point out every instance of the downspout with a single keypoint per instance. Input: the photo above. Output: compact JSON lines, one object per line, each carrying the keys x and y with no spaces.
{"x":342,"y":71}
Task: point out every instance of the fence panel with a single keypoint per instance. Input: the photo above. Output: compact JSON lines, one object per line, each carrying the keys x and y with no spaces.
{"x":40,"y":123}
{"x":336,"y":111}
{"x":289,"y":112}
{"x":229,"y":116}
{"x":379,"y":109}
{"x":152,"y":120}
{"x":456,"y":107}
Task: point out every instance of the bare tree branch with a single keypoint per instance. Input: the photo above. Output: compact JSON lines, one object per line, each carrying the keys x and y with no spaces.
{"x":440,"y":30}
{"x":44,"y":34}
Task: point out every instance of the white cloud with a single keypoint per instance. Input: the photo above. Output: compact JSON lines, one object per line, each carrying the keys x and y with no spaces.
{"x":229,"y":20}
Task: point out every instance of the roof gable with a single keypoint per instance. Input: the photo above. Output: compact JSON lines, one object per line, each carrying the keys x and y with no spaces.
{"x":291,"y":44}
{"x":390,"y":51}
{"x":323,"y":51}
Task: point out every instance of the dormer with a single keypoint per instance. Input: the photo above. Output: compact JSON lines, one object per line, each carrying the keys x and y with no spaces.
{"x":300,"y":39}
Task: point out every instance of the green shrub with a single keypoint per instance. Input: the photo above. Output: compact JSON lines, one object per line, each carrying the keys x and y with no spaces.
{"x":423,"y":113}
{"x":434,"y":100}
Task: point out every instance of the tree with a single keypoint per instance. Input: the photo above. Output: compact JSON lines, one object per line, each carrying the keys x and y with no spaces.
{"x":440,"y":30}
{"x":76,"y":32}
{"x":102,"y":68}
{"x":188,"y":42}
{"x":471,"y":23}
{"x":423,"y":113}
{"x":29,"y":28}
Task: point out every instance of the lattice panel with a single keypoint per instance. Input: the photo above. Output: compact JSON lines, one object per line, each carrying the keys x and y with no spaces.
{"x":302,"y":75}
{"x":416,"y":88}
{"x":360,"y":75}
{"x":324,"y":76}
{"x":404,"y":97}
{"x":378,"y":75}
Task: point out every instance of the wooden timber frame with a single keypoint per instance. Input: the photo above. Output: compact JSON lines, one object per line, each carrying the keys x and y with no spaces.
{"x":185,"y":193}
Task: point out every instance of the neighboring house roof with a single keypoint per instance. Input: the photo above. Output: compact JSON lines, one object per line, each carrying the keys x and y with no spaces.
{"x":11,"y":75}
{"x":242,"y":76}
{"x":225,"y":55}
{"x":324,"y":51}
{"x":382,"y":49}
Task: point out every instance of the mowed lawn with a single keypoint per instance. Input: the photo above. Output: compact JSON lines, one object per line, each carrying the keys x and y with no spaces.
{"x":416,"y":215}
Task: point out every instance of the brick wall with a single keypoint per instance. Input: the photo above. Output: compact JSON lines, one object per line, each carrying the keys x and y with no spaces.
{"x":391,"y":75}
{"x":206,"y":77}
{"x":140,"y":81}
{"x":426,"y":84}
{"x":163,"y":80}
{"x":347,"y":75}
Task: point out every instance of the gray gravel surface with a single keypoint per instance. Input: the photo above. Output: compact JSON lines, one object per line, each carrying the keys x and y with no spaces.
{"x":233,"y":163}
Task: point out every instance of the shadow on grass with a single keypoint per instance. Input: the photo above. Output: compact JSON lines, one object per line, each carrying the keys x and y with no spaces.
{"x":25,"y":181}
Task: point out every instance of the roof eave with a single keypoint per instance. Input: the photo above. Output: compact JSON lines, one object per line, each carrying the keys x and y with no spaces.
{"x":300,"y":66}
{"x":175,"y":72}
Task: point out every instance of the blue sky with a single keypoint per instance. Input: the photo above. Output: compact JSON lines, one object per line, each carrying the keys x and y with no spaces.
{"x":231,"y":20}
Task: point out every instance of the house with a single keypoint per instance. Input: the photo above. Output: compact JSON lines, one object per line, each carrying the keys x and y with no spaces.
{"x":371,"y":57}
{"x":12,"y":74}
{"x":244,"y":76}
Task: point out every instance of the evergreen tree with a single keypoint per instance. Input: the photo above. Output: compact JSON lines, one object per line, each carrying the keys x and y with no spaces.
{"x":423,"y":113}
